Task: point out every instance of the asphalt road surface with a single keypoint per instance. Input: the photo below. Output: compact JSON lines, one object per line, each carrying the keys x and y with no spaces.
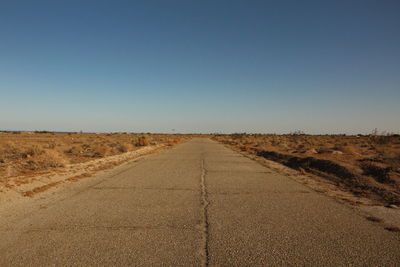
{"x":198,"y":204}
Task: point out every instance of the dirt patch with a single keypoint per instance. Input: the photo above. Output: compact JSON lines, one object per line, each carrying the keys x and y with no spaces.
{"x":309,"y":164}
{"x":373,"y":219}
{"x":393,"y":229}
{"x":32,"y":153}
{"x":39,"y":189}
{"x":78,"y":177}
{"x":380,"y":174}
{"x":365,"y":166}
{"x":344,"y":177}
{"x":32,"y":166}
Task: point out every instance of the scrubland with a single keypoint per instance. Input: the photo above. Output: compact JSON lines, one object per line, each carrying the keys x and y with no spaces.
{"x":366,"y":166}
{"x":29,"y":154}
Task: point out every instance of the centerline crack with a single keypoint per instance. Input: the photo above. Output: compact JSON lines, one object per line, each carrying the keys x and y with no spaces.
{"x":204,"y":207}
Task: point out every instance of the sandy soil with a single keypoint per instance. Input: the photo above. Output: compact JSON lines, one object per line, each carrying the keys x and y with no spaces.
{"x":365,"y":167}
{"x":31,"y":163}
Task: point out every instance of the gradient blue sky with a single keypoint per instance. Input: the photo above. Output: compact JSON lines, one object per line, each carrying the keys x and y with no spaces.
{"x":200,"y":66}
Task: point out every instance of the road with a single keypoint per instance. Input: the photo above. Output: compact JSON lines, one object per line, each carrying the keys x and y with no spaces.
{"x":198,"y":204}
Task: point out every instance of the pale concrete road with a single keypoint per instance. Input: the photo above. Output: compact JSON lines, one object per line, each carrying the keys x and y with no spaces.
{"x":198,"y":204}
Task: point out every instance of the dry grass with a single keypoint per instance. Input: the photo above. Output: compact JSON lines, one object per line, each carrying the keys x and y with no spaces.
{"x":28,"y":154}
{"x":367,"y":166}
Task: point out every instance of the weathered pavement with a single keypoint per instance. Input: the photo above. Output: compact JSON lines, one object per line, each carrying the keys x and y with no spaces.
{"x":198,"y":204}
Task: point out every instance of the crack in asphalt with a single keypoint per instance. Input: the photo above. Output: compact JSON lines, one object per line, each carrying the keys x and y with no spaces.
{"x":259,"y":192}
{"x":143,"y":188}
{"x":78,"y":228}
{"x":204,"y":207}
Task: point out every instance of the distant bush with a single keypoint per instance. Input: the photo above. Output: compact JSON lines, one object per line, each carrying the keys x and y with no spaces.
{"x":43,"y":132}
{"x":382,"y":138}
{"x":297,"y":132}
{"x":32,"y":151}
{"x":379,"y":173}
{"x":238,"y":135}
{"x":122,"y":148}
{"x":142,"y":141}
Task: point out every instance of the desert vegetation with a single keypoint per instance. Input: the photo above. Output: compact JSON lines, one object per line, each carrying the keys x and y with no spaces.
{"x":32,"y":153}
{"x":365,"y":165}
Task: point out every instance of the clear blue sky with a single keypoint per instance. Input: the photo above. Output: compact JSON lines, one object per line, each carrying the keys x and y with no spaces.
{"x":200,"y":66}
